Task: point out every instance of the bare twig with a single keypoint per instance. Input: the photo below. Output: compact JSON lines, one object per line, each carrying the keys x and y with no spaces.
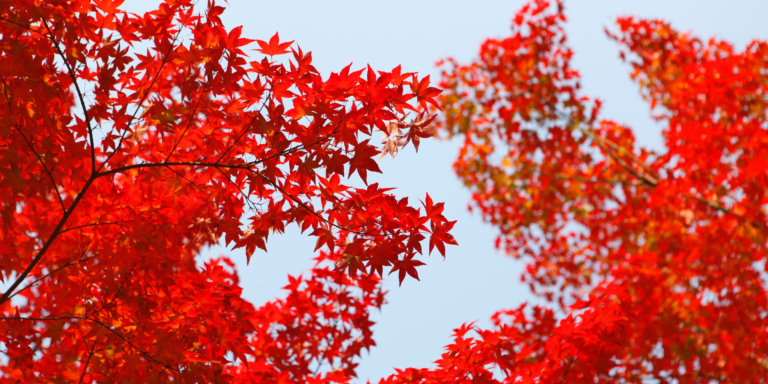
{"x":185,"y":178}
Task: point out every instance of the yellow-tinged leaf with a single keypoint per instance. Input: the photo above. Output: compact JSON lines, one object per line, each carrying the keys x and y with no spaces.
{"x":71,"y":375}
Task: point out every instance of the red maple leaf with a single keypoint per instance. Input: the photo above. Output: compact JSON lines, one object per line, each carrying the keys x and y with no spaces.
{"x":441,"y":236}
{"x":362,"y":161}
{"x":406,"y":266}
{"x":274,"y":47}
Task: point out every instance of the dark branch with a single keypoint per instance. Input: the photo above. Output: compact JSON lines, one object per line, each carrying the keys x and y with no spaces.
{"x":95,"y":224}
{"x":37,"y":155}
{"x":56,"y":232}
{"x":189,"y":123}
{"x":248,"y":128}
{"x":69,"y":264}
{"x":88,"y":361}
{"x":73,"y":76}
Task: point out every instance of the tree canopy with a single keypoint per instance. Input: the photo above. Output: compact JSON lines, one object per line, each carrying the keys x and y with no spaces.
{"x":128,"y":143}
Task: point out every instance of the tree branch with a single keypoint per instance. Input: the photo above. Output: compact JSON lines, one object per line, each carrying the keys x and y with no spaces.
{"x":248,"y":128}
{"x":568,"y":368}
{"x":45,"y":168}
{"x":189,"y":123}
{"x":235,"y":166}
{"x":73,"y":76}
{"x":88,"y":361}
{"x":29,"y":143}
{"x":146,"y":93}
{"x":56,"y":232}
{"x":647,"y":175}
{"x":120,"y":223}
{"x":115,"y":332}
{"x":32,"y":284}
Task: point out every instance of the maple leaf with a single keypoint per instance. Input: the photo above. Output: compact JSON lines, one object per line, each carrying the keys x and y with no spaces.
{"x":441,"y":236}
{"x":419,"y":128}
{"x":362,"y":161}
{"x":335,"y":163}
{"x":234,"y":41}
{"x":108,"y":6}
{"x":424,"y":93}
{"x":274,"y":47}
{"x":250,"y":240}
{"x":434,"y":212}
{"x":378,"y":261}
{"x":392,"y":139}
{"x":406,"y":266}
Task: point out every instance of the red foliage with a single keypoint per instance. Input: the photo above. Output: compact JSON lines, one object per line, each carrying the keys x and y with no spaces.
{"x":130,"y":142}
{"x":669,"y":247}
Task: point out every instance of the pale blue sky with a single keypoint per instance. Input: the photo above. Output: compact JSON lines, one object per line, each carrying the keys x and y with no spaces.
{"x":474,"y":280}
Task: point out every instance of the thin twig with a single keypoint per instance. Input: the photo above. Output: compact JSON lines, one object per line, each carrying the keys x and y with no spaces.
{"x":235,"y":166}
{"x":37,"y":155}
{"x":568,"y":368}
{"x":185,"y":178}
{"x":120,"y":223}
{"x":248,"y":128}
{"x":147,"y":92}
{"x":56,"y":232}
{"x":88,"y":361}
{"x":115,"y":332}
{"x":69,"y":264}
{"x":647,"y":175}
{"x":189,"y":123}
{"x":72,"y":76}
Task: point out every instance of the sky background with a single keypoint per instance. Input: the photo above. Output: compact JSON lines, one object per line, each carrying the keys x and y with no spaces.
{"x":474,"y":280}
